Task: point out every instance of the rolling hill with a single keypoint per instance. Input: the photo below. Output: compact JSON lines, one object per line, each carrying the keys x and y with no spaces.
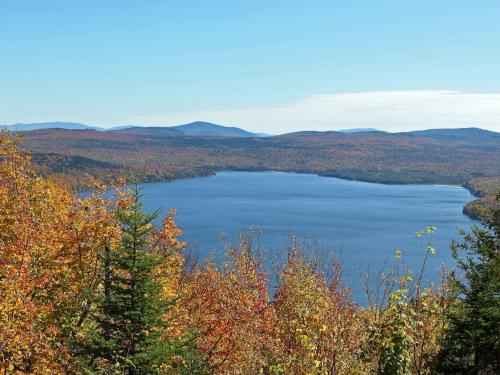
{"x":460,"y":133}
{"x":359,"y":130}
{"x":373,"y":156}
{"x":149,"y":131}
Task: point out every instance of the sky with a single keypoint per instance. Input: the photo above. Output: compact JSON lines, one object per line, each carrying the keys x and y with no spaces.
{"x":266,"y":66}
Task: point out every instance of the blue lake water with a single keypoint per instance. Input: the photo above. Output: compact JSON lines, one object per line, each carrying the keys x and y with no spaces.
{"x":363,"y":223}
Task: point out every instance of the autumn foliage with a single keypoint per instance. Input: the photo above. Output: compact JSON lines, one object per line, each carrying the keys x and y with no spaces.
{"x":230,"y":313}
{"x":49,"y":241}
{"x":90,"y":285}
{"x":51,"y":245}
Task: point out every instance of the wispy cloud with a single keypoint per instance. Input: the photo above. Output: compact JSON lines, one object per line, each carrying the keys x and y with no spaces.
{"x":385,"y":110}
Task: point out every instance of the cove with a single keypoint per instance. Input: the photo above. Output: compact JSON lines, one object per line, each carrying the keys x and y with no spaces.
{"x":363,"y":223}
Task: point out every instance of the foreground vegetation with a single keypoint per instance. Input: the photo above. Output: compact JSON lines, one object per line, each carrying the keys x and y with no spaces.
{"x":90,"y":286}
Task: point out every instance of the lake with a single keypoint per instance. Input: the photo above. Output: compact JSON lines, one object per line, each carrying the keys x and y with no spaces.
{"x":362,"y":223}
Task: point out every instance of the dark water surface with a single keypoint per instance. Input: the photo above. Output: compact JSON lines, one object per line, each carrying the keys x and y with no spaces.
{"x":362,"y":222}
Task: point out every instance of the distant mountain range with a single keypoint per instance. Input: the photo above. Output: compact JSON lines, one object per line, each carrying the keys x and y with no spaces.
{"x":197,"y":128}
{"x":207,"y":129}
{"x":47,"y":125}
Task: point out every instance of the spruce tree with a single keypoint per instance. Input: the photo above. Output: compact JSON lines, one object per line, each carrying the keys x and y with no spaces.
{"x":472,"y":344}
{"x":127,"y":337}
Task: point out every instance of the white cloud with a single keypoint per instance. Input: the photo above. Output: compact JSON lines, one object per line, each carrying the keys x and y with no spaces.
{"x":385,"y":110}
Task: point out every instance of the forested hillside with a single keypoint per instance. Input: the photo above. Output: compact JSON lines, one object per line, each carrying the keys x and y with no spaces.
{"x":458,"y":156}
{"x":89,"y":286}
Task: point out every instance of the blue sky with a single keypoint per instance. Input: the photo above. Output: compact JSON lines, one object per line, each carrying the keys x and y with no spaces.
{"x":270,"y":66}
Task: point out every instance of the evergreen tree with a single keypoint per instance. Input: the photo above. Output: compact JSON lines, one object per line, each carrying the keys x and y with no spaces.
{"x":472,"y":345}
{"x":127,"y":337}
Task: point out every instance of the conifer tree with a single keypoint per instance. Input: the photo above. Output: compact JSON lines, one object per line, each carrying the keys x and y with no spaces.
{"x":130,"y":323}
{"x":472,"y":345}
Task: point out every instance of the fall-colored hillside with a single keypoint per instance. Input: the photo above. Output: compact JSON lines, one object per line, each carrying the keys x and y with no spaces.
{"x":442,"y":157}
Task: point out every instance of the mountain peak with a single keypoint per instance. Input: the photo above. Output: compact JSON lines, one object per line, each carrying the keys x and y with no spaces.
{"x":359,"y":130}
{"x":202,"y":128}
